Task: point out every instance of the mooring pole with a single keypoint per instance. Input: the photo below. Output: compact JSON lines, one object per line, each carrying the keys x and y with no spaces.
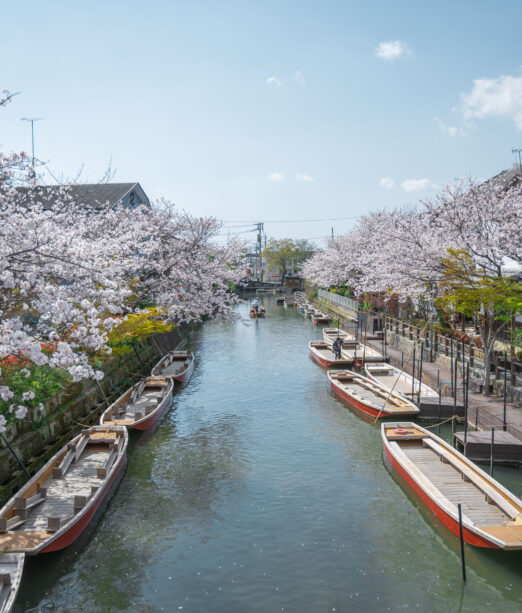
{"x":466,"y":410}
{"x":461,"y":532}
{"x":6,"y":442}
{"x":505,"y":390}
{"x":420,"y":369}
{"x":451,"y":364}
{"x":440,"y":409}
{"x":491,"y":456}
{"x":438,"y":381}
{"x":402,"y":360}
{"x":413,"y":377}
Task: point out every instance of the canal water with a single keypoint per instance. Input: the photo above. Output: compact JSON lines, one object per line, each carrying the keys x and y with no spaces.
{"x":260,"y":492}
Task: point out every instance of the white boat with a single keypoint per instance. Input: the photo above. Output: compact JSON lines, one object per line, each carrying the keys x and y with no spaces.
{"x":400,"y":381}
{"x":11,"y":567}
{"x":330,"y":334}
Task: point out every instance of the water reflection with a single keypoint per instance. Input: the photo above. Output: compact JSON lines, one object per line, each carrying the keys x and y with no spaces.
{"x":261,"y":492}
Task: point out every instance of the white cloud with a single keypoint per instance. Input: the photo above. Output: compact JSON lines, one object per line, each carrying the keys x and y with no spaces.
{"x":386,"y":182}
{"x":274,"y":81}
{"x":453,"y":131}
{"x":392,"y":50}
{"x":498,"y":98}
{"x":418,"y":185}
{"x":299,"y":77}
{"x":301,"y":177}
{"x":275,"y":176}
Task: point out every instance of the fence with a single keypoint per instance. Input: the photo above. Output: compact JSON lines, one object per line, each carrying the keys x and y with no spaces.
{"x":460,"y":350}
{"x":352,"y":306}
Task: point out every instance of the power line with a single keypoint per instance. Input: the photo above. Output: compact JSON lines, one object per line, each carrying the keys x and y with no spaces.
{"x":246,"y":221}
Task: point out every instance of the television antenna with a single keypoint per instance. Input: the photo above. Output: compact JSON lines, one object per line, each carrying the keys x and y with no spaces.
{"x":32,"y":120}
{"x":518,"y":157}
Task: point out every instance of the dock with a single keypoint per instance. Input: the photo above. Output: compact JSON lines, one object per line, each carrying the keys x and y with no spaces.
{"x":429,"y":408}
{"x":507,"y":449}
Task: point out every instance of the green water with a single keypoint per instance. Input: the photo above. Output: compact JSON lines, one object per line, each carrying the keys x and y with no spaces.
{"x":260,"y":492}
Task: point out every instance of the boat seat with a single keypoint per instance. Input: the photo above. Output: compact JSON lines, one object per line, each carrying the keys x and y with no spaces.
{"x":12,"y":522}
{"x":60,"y":470}
{"x":491,"y":494}
{"x":79,"y":503}
{"x":24,"y":504}
{"x":102,"y":471}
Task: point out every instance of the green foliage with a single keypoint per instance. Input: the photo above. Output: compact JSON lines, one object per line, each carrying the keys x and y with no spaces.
{"x":43,"y":381}
{"x":279,"y":254}
{"x":136,"y":327}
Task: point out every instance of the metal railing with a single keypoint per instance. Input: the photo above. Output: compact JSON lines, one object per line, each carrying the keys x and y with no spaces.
{"x":342,"y":301}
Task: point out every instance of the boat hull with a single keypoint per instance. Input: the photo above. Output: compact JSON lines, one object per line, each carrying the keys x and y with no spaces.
{"x":76,"y":529}
{"x":154,"y":417}
{"x":329,"y":363}
{"x":360,"y":407}
{"x":451,"y":524}
{"x":186,"y":374}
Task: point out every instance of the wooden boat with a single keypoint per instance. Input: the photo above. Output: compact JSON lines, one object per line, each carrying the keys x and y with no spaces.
{"x":176,"y":364}
{"x":256,"y":315}
{"x":367,"y":396}
{"x":330,"y":334}
{"x":280,"y":300}
{"x":11,"y":567}
{"x":309,"y":312}
{"x":320,"y":318}
{"x":141,"y":406}
{"x":400,"y":381}
{"x":442,"y":478}
{"x":322,"y":353}
{"x":56,"y":505}
{"x":361,"y":353}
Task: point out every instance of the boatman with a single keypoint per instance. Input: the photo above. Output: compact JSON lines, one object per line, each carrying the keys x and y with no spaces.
{"x":337,"y":347}
{"x":255,"y":305}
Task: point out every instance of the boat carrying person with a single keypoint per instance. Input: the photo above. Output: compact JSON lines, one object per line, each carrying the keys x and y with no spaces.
{"x":255,"y":304}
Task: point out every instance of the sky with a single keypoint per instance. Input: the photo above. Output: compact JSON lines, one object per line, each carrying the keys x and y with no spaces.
{"x":271,"y":111}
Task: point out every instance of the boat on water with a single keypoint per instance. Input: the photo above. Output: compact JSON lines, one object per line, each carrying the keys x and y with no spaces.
{"x":367,"y":396}
{"x":442,"y":478}
{"x":55,"y":506}
{"x":320,"y":318}
{"x":322,"y":353}
{"x":400,"y":381}
{"x":280,"y":300}
{"x":175,"y":364}
{"x":141,"y":406}
{"x":11,"y":567}
{"x":260,"y":313}
{"x":330,"y":334}
{"x":289,"y":301}
{"x":360,"y":353}
{"x":309,"y":312}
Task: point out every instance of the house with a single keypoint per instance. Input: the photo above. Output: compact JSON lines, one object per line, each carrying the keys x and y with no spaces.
{"x":131,"y":195}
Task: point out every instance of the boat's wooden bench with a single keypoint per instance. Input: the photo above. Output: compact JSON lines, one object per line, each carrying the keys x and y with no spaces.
{"x":5,"y":588}
{"x":115,"y":448}
{"x":73,"y":454}
{"x":13,"y":522}
{"x":55,"y":523}
{"x":491,"y":494}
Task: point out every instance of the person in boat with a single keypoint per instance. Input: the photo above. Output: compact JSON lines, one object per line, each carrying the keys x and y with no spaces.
{"x":255,"y":305}
{"x":337,"y":347}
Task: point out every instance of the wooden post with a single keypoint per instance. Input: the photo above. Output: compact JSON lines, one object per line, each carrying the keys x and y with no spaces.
{"x":440,"y":410}
{"x":438,"y":380}
{"x":413,"y":376}
{"x":466,"y":410}
{"x":505,"y":390}
{"x":451,"y":366}
{"x":402,"y":360}
{"x":420,"y":369}
{"x":461,"y":533}
{"x":491,"y":455}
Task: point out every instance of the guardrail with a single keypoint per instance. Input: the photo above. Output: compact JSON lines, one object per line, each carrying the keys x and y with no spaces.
{"x":342,"y":301}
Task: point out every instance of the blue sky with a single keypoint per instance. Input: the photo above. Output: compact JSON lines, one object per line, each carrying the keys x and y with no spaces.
{"x":268,"y":110}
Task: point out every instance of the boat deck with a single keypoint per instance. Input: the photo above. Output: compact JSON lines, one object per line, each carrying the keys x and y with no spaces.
{"x":148,"y":397}
{"x":447,"y":479}
{"x":392,"y":381}
{"x":174,"y":368}
{"x":373,"y":396}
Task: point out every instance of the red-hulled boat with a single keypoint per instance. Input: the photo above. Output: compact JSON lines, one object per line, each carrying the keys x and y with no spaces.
{"x":55,"y":506}
{"x":367,"y":396}
{"x":177,"y":365}
{"x":320,"y":318}
{"x":141,"y":406}
{"x":442,"y":478}
{"x":11,"y":567}
{"x":322,"y":353}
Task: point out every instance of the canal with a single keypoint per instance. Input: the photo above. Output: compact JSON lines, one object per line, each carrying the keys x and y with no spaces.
{"x":260,"y":492}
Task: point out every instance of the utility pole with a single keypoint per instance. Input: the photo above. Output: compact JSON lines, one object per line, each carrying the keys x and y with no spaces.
{"x":32,"y":120}
{"x":518,"y":157}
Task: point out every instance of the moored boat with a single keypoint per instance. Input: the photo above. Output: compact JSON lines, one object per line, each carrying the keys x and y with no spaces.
{"x":309,"y":312}
{"x":369,"y":397}
{"x":141,"y":406}
{"x":280,"y":300}
{"x":322,"y":353}
{"x":443,"y":478}
{"x":330,"y":334}
{"x":11,"y":567}
{"x":400,"y":381}
{"x":361,"y":353}
{"x":321,"y":318}
{"x":55,"y":506}
{"x":175,"y":364}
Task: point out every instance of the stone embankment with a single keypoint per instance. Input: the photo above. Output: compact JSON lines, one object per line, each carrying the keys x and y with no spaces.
{"x":38,"y":438}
